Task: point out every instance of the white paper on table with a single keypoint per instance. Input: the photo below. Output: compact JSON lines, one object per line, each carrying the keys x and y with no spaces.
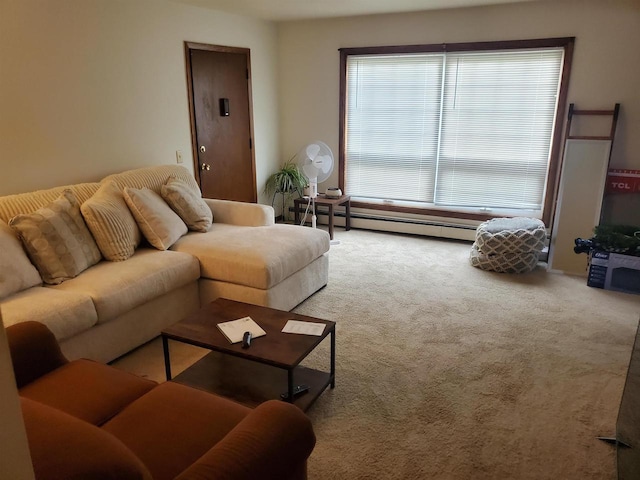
{"x":304,"y":328}
{"x":234,"y":330}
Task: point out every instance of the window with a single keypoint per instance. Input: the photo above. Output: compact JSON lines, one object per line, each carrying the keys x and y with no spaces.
{"x":466,"y":130}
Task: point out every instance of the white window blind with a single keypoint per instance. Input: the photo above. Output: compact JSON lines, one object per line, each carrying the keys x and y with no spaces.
{"x":392,"y":125}
{"x":470,"y":129}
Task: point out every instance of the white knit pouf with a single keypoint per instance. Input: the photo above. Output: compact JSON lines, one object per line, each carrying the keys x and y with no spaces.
{"x":508,"y":244}
{"x":504,"y":262}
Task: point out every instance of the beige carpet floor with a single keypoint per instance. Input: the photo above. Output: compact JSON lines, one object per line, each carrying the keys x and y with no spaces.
{"x":445,"y":371}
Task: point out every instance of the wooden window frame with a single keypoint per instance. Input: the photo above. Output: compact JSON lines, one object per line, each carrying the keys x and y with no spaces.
{"x":556,"y":147}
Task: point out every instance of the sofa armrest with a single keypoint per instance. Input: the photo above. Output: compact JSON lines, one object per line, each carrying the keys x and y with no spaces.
{"x":270,"y":443}
{"x":241,"y":213}
{"x":34,"y":351}
{"x":65,"y":447}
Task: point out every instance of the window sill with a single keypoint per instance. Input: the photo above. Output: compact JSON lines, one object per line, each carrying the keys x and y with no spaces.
{"x":416,"y":208}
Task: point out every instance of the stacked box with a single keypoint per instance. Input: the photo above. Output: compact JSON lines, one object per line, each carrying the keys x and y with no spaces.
{"x":614,"y":271}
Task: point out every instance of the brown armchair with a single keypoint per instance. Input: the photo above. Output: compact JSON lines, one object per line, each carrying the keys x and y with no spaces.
{"x":88,"y":420}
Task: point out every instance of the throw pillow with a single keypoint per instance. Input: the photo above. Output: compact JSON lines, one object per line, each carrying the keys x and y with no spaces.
{"x":57,"y":239}
{"x":188,"y":204}
{"x":159,"y":224}
{"x":111,"y":223}
{"x":16,"y":271}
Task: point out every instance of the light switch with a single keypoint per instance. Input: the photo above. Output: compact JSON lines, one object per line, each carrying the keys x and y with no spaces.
{"x":179,"y":158}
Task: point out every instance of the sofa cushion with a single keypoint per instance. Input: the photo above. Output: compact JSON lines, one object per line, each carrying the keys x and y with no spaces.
{"x":16,"y":271}
{"x":116,"y":288}
{"x":152,"y":177}
{"x":258,"y":257}
{"x":57,"y":239}
{"x":63,"y":447}
{"x":173,"y":411}
{"x":66,"y":313}
{"x":12,"y":205}
{"x":160,"y":225}
{"x":111,"y":223}
{"x":87,"y":390}
{"x":188,"y":204}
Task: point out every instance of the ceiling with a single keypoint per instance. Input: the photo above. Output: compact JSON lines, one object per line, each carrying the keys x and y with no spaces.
{"x":280,"y":10}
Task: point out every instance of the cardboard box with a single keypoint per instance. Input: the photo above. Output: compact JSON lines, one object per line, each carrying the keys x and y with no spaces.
{"x":614,"y":271}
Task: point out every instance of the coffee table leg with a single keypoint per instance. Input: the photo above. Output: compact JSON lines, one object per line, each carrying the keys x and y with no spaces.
{"x":348,"y":215}
{"x":333,"y":358}
{"x":167,"y":360}
{"x":290,"y":385}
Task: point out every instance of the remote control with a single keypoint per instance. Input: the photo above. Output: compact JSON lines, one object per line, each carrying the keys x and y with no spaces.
{"x":246,"y":340}
{"x":297,"y":391}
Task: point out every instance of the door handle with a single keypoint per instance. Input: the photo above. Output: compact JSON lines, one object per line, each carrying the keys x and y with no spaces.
{"x":202,"y":149}
{"x":205,"y":166}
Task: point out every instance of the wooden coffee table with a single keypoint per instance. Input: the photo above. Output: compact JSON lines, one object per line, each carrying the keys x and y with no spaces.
{"x":268,"y":368}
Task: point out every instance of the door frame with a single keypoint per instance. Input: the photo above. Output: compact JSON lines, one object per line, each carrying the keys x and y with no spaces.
{"x":188,"y":47}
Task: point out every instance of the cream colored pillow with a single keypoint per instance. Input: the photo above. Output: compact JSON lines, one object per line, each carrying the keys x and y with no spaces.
{"x":57,"y":239}
{"x":159,"y":224}
{"x":188,"y":204}
{"x":111,"y":223}
{"x":17,"y":273}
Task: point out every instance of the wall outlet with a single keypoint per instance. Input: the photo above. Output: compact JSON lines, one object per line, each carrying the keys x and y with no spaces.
{"x":179,"y":158}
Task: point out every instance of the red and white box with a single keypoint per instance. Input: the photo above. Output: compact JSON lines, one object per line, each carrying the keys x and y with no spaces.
{"x":623,"y":181}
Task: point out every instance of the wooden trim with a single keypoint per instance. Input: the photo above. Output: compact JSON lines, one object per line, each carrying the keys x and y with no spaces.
{"x":557,"y":147}
{"x":251,"y":129}
{"x":342,"y":121}
{"x":192,"y":113}
{"x":461,"y":47}
{"x":556,"y":143}
{"x":424,"y":211}
{"x":215,"y":48}
{"x":188,"y":47}
{"x":511,"y":44}
{"x":392,"y":49}
{"x":587,"y":137}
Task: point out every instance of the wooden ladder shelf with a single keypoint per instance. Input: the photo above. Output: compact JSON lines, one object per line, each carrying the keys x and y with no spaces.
{"x":614,"y":121}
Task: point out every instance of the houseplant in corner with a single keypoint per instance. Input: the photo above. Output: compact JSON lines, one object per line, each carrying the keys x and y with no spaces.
{"x":286,"y":181}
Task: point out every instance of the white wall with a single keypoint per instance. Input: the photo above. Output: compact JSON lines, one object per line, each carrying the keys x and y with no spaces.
{"x":606,"y":66}
{"x":92,"y":87}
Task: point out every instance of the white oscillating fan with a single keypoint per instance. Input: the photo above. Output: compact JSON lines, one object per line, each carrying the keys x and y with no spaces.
{"x":316,"y":162}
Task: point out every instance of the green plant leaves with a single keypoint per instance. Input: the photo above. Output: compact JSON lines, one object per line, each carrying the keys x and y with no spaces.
{"x":286,"y":180}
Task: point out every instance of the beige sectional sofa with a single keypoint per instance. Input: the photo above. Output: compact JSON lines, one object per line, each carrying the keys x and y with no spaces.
{"x":115,"y":306}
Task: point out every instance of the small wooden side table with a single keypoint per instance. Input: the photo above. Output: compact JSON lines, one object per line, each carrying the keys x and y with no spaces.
{"x":328,"y":202}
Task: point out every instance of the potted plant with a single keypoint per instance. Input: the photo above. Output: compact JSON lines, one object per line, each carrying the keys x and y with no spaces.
{"x":286,"y":181}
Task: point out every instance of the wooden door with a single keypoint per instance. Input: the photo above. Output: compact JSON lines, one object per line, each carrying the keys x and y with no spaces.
{"x":221,"y":121}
